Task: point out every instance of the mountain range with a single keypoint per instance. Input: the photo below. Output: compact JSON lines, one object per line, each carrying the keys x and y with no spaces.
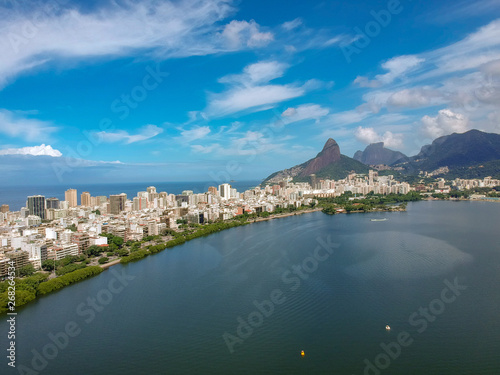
{"x":474,"y":152}
{"x":458,"y":150}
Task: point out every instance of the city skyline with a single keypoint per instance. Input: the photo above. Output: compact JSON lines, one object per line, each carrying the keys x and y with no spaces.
{"x":258,"y":85}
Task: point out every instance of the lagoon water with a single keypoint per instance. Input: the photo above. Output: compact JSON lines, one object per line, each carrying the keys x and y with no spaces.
{"x":171,"y":318}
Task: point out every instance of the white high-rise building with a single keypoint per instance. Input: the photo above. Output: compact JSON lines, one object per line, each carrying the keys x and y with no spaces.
{"x":225,"y":191}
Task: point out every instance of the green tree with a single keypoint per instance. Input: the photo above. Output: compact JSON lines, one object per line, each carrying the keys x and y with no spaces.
{"x":95,"y":250}
{"x":69,"y":268}
{"x":121,"y":252}
{"x":27,"y":270}
{"x":103,"y":260}
{"x":48,"y":265}
{"x":118,"y":241}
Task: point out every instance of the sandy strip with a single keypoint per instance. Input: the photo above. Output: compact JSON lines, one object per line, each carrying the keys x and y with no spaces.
{"x":107,"y":265}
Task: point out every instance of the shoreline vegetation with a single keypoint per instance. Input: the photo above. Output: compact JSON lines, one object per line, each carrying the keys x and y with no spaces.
{"x":55,"y":275}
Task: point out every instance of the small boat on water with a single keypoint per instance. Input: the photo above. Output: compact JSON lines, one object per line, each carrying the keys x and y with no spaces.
{"x":384,"y":219}
{"x":387,"y":328}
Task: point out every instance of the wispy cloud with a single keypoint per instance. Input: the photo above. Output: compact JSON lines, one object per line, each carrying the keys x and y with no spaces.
{"x":252,"y":91}
{"x":416,"y":98}
{"x":16,"y":125}
{"x":194,"y":134}
{"x":290,"y":25}
{"x":305,"y":112}
{"x":346,"y":117}
{"x":450,"y":12}
{"x":144,"y":133}
{"x":206,"y":149}
{"x":258,"y":73}
{"x":396,"y":67}
{"x":249,"y":143}
{"x":165,"y":29}
{"x":296,"y":36}
{"x":240,"y":34}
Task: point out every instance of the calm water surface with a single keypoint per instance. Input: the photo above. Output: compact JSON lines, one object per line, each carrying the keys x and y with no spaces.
{"x":171,"y":318}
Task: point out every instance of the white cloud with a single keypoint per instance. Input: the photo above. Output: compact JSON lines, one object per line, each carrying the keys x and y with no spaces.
{"x":35,"y":37}
{"x":414,"y":98}
{"x":13,"y":124}
{"x":252,"y":143}
{"x":205,"y":149}
{"x":491,"y":68}
{"x":397,"y":67}
{"x":376,"y":100}
{"x":446,"y":122}
{"x":463,"y":9}
{"x":290,"y":25}
{"x":42,"y":150}
{"x":335,"y":40}
{"x":255,"y":98}
{"x":250,"y":90}
{"x":249,"y":143}
{"x":494,"y":122}
{"x":304,"y":112}
{"x":258,"y":73}
{"x":347,"y":117}
{"x":369,"y":135}
{"x":365,"y":82}
{"x":289,"y":112}
{"x":240,"y":34}
{"x":146,"y":132}
{"x":194,"y":134}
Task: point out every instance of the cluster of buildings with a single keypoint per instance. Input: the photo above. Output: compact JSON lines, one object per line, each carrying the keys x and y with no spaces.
{"x":462,"y":184}
{"x":445,"y":187}
{"x":358,"y":184}
{"x":49,"y":228}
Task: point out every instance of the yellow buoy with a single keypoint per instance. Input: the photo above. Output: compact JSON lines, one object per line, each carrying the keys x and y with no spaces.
{"x":302,"y":353}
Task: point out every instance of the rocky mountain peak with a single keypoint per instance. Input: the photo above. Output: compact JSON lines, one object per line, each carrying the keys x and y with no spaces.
{"x":329,"y":154}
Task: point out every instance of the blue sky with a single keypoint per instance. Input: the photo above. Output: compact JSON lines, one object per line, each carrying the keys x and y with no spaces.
{"x":201,"y":90}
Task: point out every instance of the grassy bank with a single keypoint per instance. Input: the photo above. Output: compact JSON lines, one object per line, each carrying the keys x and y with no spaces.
{"x":29,"y":288}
